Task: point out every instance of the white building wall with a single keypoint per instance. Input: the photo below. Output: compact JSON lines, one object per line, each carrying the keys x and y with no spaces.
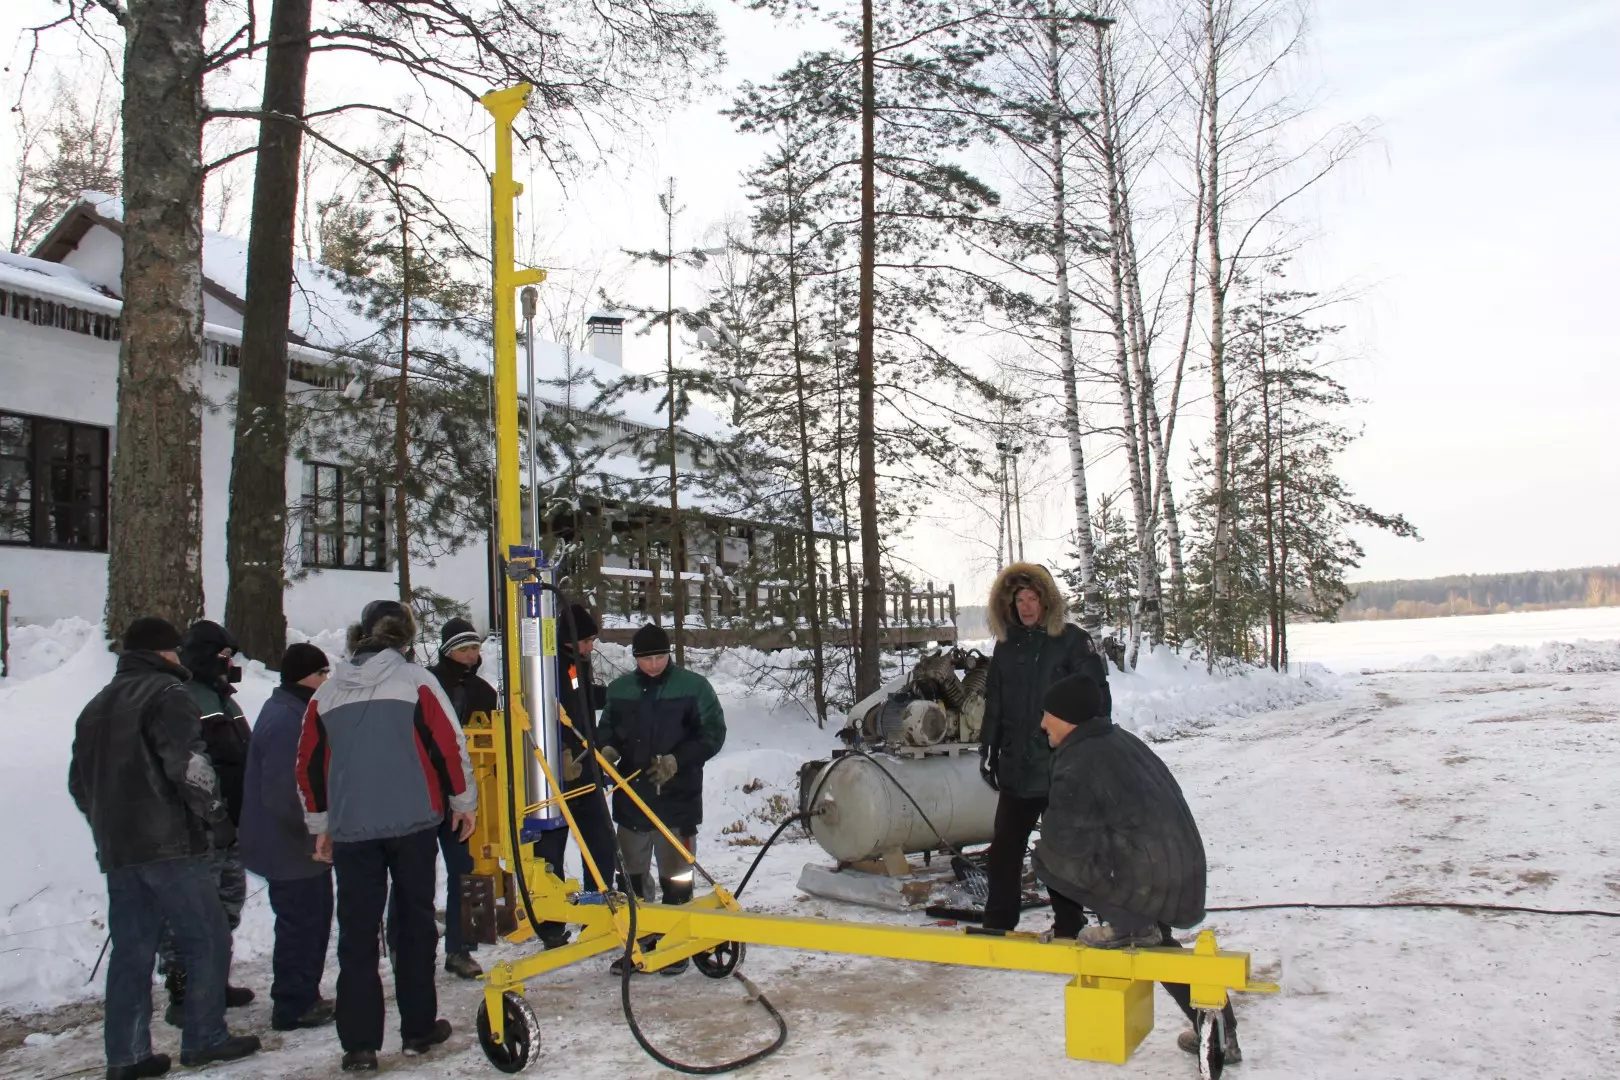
{"x":72,"y":376}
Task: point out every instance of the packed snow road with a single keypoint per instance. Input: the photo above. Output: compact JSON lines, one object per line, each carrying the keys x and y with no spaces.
{"x":1490,"y":787}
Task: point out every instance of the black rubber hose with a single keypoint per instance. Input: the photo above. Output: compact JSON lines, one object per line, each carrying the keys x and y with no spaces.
{"x":1421,"y":905}
{"x":627,"y":970}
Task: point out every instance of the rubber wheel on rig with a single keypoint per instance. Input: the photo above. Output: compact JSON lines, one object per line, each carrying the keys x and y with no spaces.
{"x":522,"y":1036}
{"x":721,"y":960}
{"x":1211,"y":1044}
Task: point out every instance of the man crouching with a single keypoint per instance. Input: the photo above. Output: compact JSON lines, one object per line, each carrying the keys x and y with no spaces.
{"x":1118,"y":838}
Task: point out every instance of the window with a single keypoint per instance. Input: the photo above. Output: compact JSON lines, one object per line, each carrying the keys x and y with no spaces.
{"x":345,"y":519}
{"x":53,"y":483}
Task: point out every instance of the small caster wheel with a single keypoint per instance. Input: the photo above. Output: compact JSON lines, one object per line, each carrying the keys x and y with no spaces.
{"x":521,"y":1039}
{"x":1211,"y":1044}
{"x":721,"y":960}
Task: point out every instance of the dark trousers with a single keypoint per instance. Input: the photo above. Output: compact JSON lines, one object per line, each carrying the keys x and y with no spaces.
{"x":365,"y":870}
{"x":1068,"y":917}
{"x":596,"y":826}
{"x":303,"y":909}
{"x":457,"y":861}
{"x":1016,"y":818}
{"x":230,"y":881}
{"x":183,"y":893}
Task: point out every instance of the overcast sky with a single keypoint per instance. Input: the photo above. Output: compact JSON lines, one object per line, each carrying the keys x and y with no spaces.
{"x":1480,"y":232}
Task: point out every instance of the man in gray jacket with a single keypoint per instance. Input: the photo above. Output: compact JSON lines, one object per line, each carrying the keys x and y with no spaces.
{"x":380,"y":760}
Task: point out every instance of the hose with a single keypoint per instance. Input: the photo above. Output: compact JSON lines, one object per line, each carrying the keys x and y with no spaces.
{"x":587,"y":733}
{"x":1421,"y":905}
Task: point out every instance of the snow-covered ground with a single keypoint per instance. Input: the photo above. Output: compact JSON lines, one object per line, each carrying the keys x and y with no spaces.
{"x":1494,"y":784}
{"x":1387,"y":643}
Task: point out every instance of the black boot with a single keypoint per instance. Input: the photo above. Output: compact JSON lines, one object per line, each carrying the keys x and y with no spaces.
{"x":174,"y":981}
{"x":156,"y":1065}
{"x":675,"y":892}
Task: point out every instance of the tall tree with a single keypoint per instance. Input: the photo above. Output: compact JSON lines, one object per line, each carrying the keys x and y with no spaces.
{"x":155,"y":533}
{"x":255,"y":532}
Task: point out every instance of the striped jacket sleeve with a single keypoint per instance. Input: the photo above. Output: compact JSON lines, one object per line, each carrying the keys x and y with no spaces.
{"x":314,"y":755}
{"x":445,"y":745}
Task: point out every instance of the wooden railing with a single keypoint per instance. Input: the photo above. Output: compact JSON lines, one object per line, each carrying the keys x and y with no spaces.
{"x":718,"y":611}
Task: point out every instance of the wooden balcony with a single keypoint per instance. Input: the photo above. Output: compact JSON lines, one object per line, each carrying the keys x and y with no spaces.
{"x":720,"y":611}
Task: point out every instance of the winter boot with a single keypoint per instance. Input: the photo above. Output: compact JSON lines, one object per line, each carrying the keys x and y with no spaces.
{"x":439,"y":1033}
{"x":1112,"y":937}
{"x":237,"y":996}
{"x":616,"y":969}
{"x":462,"y":965}
{"x":360,"y":1061}
{"x":317,"y":1015}
{"x":675,"y":892}
{"x":556,"y":936}
{"x":174,"y":981}
{"x":234,"y":1047}
{"x":156,"y":1065}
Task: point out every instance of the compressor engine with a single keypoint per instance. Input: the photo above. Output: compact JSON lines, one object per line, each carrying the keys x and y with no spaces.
{"x":910,"y":780}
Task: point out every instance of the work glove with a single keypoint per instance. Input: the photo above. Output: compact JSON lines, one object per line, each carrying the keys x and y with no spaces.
{"x":610,"y":755}
{"x":989,"y":762}
{"x":662,"y":769}
{"x":572,"y":769}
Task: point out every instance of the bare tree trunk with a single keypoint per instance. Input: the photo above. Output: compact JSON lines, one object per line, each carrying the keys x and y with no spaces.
{"x":677,"y":551}
{"x":867,"y":673}
{"x":1091,"y":615}
{"x":1217,"y":336}
{"x":155,"y":535}
{"x":1118,"y":246}
{"x":1268,"y":477}
{"x":256,"y":531}
{"x":806,"y":495}
{"x":402,"y":428}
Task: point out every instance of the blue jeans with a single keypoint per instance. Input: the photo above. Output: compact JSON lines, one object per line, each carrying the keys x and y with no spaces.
{"x":185,"y":894}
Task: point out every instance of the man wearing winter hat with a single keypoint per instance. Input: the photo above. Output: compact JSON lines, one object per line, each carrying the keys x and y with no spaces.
{"x":582,"y":696}
{"x":662,"y":721}
{"x":276,"y":846}
{"x":140,"y":775}
{"x":208,"y":651}
{"x":380,"y":760}
{"x":1118,"y":838}
{"x":460,"y":654}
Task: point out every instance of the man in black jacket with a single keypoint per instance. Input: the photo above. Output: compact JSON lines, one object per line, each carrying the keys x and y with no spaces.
{"x":1118,"y":838}
{"x":141,"y":776}
{"x":460,"y":655}
{"x":581,"y":698}
{"x":208,"y":651}
{"x":1034,"y":649}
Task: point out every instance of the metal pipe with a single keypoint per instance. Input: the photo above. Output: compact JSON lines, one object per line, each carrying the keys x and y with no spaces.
{"x":531,"y":301}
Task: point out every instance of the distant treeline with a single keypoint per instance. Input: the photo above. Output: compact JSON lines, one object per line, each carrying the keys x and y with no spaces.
{"x":1485,"y":594}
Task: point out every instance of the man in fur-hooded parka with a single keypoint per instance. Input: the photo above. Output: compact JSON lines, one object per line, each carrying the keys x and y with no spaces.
{"x":1034,"y":649}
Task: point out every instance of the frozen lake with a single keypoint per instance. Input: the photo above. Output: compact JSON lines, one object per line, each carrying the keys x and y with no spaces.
{"x":1353,"y":646}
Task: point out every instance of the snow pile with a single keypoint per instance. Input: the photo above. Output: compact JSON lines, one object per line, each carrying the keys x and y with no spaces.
{"x":1552,"y":657}
{"x":35,"y":650}
{"x":1170,"y":694}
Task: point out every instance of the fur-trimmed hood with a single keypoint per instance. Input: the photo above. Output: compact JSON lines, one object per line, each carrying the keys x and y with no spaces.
{"x":389,"y":632}
{"x":1025,"y":575}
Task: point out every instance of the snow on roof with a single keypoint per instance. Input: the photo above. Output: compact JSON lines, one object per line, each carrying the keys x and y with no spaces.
{"x":324,"y":314}
{"x":39,"y":277}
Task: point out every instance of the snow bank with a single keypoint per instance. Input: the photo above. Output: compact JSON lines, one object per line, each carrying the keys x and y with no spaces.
{"x":1170,"y":695}
{"x":1552,"y":657}
{"x":53,"y":896}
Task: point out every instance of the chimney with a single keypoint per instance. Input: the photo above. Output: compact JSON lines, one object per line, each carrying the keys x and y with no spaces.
{"x":604,"y":332}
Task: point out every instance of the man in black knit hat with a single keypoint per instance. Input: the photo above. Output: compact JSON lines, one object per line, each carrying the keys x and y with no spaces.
{"x":140,"y":774}
{"x":582,"y":697}
{"x":662,"y":722}
{"x":460,"y":656}
{"x":276,"y":845}
{"x":1118,"y":838}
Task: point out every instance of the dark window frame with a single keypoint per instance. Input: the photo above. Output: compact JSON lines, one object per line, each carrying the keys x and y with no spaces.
{"x":350,"y":514}
{"x":75,"y":487}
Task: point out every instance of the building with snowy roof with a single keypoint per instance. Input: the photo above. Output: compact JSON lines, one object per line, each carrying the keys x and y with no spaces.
{"x":59,"y":333}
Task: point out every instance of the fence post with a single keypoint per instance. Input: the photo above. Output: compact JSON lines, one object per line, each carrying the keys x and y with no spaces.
{"x":5,"y":633}
{"x":655,"y":594}
{"x":705,"y":595}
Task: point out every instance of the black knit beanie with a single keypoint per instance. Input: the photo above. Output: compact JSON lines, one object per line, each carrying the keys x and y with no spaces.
{"x":584,"y":623}
{"x":1074,"y":700}
{"x":650,"y":640}
{"x":300,"y":661}
{"x":151,"y":634}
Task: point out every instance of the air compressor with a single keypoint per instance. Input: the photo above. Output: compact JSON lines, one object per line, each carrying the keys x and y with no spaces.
{"x":516,"y":764}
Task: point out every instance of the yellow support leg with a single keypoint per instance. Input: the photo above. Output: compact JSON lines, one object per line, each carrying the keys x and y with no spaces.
{"x":1106,"y":1019}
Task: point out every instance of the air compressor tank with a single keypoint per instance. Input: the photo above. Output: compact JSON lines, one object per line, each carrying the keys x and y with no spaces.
{"x":864,"y":814}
